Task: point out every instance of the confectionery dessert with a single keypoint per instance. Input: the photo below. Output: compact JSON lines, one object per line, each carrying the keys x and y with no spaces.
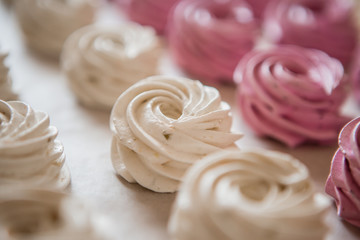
{"x":29,"y":153}
{"x":6,"y":92}
{"x":102,"y":62}
{"x":162,"y":125}
{"x":41,"y":215}
{"x":47,"y":23}
{"x":248,"y":195}
{"x":292,"y":94}
{"x":343,"y":183}
{"x":207,"y":38}
{"x":326,"y":25}
{"x":152,"y":13}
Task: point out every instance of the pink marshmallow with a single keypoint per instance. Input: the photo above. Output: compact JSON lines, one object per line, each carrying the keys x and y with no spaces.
{"x":292,"y":94}
{"x":152,"y":13}
{"x":322,"y":24}
{"x":343,"y":183}
{"x":207,"y":38}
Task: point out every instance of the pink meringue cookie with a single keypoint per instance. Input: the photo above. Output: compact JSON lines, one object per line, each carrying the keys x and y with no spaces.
{"x":152,"y":13}
{"x":343,"y":183}
{"x":292,"y":94}
{"x":322,"y":24}
{"x":207,"y":38}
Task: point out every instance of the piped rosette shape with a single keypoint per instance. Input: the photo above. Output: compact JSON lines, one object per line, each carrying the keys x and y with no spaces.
{"x":152,"y":13}
{"x":102,"y":62}
{"x":292,"y":94}
{"x":39,"y":215}
{"x":6,"y":92}
{"x":208,"y":38}
{"x":326,"y":25}
{"x":343,"y":183}
{"x":47,"y":23}
{"x":162,"y":125}
{"x":29,"y":153}
{"x":251,"y":195}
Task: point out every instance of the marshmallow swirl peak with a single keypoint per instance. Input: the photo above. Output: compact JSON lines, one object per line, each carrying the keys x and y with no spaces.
{"x":6,"y":92}
{"x":248,"y":195}
{"x":47,"y":23}
{"x":102,"y":62}
{"x":343,"y":183}
{"x":292,"y":94}
{"x":162,"y":125}
{"x":29,"y":153}
{"x":39,"y":215}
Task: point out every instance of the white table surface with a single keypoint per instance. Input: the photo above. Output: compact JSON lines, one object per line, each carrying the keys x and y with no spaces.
{"x":135,"y":213}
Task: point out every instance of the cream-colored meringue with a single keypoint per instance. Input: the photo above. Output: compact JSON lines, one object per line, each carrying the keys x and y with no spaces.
{"x":27,"y":214}
{"x":47,"y":23}
{"x":29,"y":153}
{"x":6,"y":92}
{"x":101,"y":62}
{"x":248,"y":195}
{"x":162,"y":125}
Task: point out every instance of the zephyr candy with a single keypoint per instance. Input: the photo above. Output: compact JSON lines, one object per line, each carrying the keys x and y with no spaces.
{"x":41,"y":215}
{"x":207,"y":38}
{"x":102,"y":62}
{"x":248,"y":195}
{"x":343,"y":183}
{"x":47,"y":23}
{"x":326,"y":25}
{"x":152,"y":13}
{"x":162,"y":125}
{"x":292,"y":94}
{"x":29,"y":153}
{"x":6,"y":92}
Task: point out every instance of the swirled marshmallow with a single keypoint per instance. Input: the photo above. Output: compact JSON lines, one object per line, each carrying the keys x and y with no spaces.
{"x":343,"y":183}
{"x":292,"y":94}
{"x":47,"y":23}
{"x":207,"y":38}
{"x":29,"y":153}
{"x":101,"y":63}
{"x":38,"y":214}
{"x":326,"y":25}
{"x":162,"y":125}
{"x":6,"y":92}
{"x":248,"y":195}
{"x":152,"y":13}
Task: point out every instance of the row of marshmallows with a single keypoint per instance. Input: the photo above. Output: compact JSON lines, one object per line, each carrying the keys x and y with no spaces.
{"x":162,"y":126}
{"x":167,"y":127}
{"x":208,"y":38}
{"x":101,"y":62}
{"x":304,"y":77}
{"x":277,"y":87}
